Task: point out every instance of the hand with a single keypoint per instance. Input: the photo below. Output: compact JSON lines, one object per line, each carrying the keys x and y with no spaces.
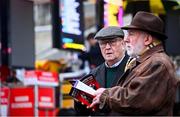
{"x":96,"y":99}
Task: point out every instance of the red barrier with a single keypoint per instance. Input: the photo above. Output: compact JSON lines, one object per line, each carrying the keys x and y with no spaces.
{"x":4,"y":96}
{"x":46,"y":98}
{"x":22,"y":101}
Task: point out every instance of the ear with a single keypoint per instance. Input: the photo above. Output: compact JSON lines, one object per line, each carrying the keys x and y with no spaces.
{"x":148,"y":40}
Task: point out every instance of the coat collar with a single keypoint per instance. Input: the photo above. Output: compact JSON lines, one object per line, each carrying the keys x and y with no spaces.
{"x":150,"y":52}
{"x":142,"y":58}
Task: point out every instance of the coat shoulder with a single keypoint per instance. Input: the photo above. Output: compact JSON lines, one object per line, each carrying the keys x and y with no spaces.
{"x":163,"y":59}
{"x":97,"y":69}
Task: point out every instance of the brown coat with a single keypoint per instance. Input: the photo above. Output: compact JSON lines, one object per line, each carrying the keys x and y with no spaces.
{"x":147,"y":89}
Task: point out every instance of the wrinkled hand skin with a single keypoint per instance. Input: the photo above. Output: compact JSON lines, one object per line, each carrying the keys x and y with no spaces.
{"x":96,"y":99}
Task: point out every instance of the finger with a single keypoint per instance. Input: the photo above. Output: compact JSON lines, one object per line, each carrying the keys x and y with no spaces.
{"x":93,"y":104}
{"x":94,"y":99}
{"x":99,"y":91}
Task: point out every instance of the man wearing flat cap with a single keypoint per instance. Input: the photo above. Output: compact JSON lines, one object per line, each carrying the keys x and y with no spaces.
{"x":112,"y":47}
{"x":148,"y":86}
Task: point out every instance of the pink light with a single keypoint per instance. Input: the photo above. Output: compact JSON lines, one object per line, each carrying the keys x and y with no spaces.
{"x":120,"y":16}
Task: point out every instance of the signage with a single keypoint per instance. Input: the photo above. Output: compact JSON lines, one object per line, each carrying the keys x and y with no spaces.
{"x":35,"y":77}
{"x":22,"y":101}
{"x":47,"y":78}
{"x":4,"y":95}
{"x":113,"y":13}
{"x":72,"y":24}
{"x":30,"y":77}
{"x":46,"y":98}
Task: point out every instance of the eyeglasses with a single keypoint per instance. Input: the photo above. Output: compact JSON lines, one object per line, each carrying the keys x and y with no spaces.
{"x":110,"y":42}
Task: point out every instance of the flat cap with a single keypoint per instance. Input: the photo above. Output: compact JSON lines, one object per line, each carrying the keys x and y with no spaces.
{"x":109,"y":32}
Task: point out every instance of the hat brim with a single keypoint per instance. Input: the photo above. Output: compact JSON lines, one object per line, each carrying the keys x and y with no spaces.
{"x":108,"y":37}
{"x":158,"y":34}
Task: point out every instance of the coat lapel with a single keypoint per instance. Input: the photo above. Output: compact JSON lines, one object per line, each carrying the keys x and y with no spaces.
{"x":101,"y":77}
{"x":123,"y":77}
{"x":126,"y":77}
{"x":121,"y":70}
{"x":129,"y":78}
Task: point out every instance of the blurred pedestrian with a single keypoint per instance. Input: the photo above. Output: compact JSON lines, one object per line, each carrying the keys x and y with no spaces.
{"x":12,"y":77}
{"x":93,"y":56}
{"x":112,"y":47}
{"x":5,"y":72}
{"x":148,"y":86}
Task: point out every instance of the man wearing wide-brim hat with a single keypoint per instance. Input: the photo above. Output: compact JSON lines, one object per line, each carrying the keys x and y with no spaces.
{"x":148,"y":86}
{"x":112,"y":47}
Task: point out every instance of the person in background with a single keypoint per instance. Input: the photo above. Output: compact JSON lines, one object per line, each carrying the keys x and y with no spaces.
{"x":149,"y":84}
{"x":110,"y":40}
{"x":12,"y":77}
{"x":93,"y":56}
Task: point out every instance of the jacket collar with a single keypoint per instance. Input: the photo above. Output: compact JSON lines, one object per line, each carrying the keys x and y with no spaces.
{"x":139,"y":60}
{"x":150,"y":52}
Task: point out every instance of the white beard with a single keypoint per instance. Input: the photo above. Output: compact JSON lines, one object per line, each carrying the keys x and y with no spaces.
{"x":134,"y":51}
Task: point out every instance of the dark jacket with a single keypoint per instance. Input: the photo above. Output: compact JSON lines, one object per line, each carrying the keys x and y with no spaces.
{"x":94,"y":56}
{"x":147,"y":89}
{"x":99,"y":74}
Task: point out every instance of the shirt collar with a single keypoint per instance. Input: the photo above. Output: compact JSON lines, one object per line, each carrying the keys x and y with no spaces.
{"x":114,"y":65}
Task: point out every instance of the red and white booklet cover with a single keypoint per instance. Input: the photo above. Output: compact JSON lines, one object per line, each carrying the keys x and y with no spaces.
{"x":83,"y":89}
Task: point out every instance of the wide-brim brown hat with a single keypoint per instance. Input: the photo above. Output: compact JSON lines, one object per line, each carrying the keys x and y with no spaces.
{"x":147,"y":22}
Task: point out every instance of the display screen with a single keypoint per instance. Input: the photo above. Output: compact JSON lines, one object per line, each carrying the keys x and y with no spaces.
{"x":72,"y":24}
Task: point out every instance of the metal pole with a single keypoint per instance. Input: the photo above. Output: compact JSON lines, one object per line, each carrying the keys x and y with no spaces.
{"x":36,"y":100}
{"x":56,"y":23}
{"x":60,"y":87}
{"x":99,"y":14}
{"x":4,"y":15}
